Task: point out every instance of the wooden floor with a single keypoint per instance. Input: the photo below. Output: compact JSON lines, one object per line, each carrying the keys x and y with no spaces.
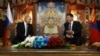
{"x":74,"y":51}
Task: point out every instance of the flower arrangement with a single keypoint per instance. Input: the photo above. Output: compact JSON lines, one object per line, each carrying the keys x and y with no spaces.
{"x":28,"y":42}
{"x":54,"y":42}
{"x":67,"y":45}
{"x":42,"y":42}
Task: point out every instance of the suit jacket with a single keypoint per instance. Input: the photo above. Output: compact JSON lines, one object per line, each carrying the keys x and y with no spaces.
{"x":20,"y":30}
{"x":76,"y":27}
{"x":98,"y":23}
{"x":2,"y":28}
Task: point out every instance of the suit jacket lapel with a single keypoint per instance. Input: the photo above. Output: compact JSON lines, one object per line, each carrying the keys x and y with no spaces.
{"x":23,"y":27}
{"x":73,"y":26}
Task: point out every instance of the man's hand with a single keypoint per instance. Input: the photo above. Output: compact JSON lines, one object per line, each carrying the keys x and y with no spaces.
{"x":70,"y":32}
{"x":69,"y":36}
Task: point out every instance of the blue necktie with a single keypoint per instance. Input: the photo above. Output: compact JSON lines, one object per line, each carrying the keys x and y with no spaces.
{"x":69,"y":26}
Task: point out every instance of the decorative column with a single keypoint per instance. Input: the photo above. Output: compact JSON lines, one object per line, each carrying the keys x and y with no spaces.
{"x":34,"y":16}
{"x":67,"y":4}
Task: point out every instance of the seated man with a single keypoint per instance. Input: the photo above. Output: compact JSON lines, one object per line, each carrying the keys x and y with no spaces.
{"x":23,"y":30}
{"x":72,"y":31}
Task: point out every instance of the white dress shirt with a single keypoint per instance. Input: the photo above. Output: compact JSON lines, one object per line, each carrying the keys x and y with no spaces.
{"x":25,"y":25}
{"x":70,"y":28}
{"x":71,"y":25}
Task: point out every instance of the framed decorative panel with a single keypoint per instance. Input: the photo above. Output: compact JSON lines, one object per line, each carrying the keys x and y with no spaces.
{"x":50,"y":18}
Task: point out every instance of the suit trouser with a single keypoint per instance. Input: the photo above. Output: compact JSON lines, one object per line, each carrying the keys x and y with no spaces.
{"x":17,"y":40}
{"x":75,"y":40}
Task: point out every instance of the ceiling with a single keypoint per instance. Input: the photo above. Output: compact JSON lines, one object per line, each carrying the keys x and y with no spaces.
{"x":3,"y":3}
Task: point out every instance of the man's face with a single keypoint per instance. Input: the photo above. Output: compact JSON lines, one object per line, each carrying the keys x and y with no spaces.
{"x":69,"y":19}
{"x":28,"y":20}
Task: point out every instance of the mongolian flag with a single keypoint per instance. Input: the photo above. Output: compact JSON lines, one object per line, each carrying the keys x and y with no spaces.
{"x":8,"y":21}
{"x":94,"y":30}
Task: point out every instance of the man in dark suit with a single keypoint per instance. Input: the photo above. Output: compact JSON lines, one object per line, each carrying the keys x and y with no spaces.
{"x":23,"y":29}
{"x":72,"y":31}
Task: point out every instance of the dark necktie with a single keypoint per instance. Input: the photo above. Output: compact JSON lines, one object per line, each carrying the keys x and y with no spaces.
{"x":69,"y":26}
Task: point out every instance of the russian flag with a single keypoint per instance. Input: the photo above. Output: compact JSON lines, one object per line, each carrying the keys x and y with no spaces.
{"x":9,"y":18}
{"x":8,"y":21}
{"x":94,"y":30}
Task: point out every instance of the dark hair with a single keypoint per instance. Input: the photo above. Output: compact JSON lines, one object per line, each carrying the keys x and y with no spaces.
{"x":69,"y":15}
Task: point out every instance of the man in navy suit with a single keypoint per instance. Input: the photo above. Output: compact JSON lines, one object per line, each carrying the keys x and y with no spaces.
{"x":23,"y":30}
{"x":72,"y":31}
